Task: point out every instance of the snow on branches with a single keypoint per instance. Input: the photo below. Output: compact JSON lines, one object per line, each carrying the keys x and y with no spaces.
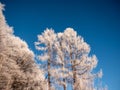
{"x":67,"y":60}
{"x":18,"y":70}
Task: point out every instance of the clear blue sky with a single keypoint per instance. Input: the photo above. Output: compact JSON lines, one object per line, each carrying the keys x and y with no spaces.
{"x":98,"y":21}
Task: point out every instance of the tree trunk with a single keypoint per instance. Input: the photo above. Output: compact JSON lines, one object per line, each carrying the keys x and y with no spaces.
{"x":62,"y":59}
{"x":48,"y":67}
{"x":49,"y":75}
{"x":74,"y":74}
{"x":64,"y":86}
{"x":73,"y":71}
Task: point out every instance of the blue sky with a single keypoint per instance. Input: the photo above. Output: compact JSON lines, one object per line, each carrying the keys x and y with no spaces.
{"x":98,"y":21}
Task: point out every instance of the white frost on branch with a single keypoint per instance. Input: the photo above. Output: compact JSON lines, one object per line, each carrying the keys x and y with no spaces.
{"x":18,"y":70}
{"x":68,"y":60}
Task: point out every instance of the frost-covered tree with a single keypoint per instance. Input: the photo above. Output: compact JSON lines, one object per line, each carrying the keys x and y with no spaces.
{"x":74,"y":55}
{"x":18,"y":70}
{"x":67,"y":60}
{"x":45,"y":46}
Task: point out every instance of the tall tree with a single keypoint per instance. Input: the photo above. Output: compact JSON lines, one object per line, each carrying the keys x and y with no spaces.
{"x":18,"y":70}
{"x":68,"y":59}
{"x":76,"y":53}
{"x":45,"y":45}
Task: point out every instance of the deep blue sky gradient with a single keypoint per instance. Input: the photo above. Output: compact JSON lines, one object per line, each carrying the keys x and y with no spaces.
{"x":98,"y":21}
